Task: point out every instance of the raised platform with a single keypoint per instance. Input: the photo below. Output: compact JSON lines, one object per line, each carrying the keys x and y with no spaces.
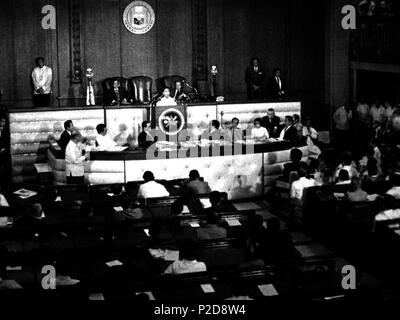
{"x":32,"y":130}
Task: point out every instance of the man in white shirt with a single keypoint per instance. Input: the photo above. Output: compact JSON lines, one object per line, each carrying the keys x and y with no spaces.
{"x":151,"y":189}
{"x":166,"y":99}
{"x":3,"y":201}
{"x":297,"y":188}
{"x":234,"y":133}
{"x":74,"y":160}
{"x":41,"y":78}
{"x":103,"y":140}
{"x":259,"y":133}
{"x":378,"y":112}
{"x":186,"y":263}
{"x":342,"y":118}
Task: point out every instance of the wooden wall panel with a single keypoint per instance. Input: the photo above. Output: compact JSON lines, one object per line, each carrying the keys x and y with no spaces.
{"x":174,"y":38}
{"x":30,"y":41}
{"x":138,"y":51}
{"x":281,"y":33}
{"x":102,"y":42}
{"x":7,"y":81}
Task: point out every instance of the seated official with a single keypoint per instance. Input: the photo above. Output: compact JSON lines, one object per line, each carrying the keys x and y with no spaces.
{"x":356,"y":194}
{"x":179,"y":95}
{"x":36,"y":220}
{"x":166,"y":99}
{"x":289,"y":132}
{"x":303,"y":182}
{"x":259,"y":133}
{"x":298,"y":125}
{"x":195,"y":185}
{"x":343,"y":178}
{"x":371,"y":173}
{"x":295,"y":156}
{"x":66,"y":135}
{"x":272,"y":123}
{"x":215,"y":132}
{"x":187,"y":262}
{"x":218,"y":204}
{"x":104,"y":141}
{"x":234,"y":133}
{"x":151,"y":189}
{"x":348,"y":165}
{"x":145,"y":138}
{"x":117,"y":94}
{"x":75,"y":160}
{"x":276,"y":244}
{"x":210,"y":230}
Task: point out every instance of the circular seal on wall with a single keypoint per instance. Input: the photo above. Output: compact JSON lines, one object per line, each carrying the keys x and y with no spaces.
{"x":171,"y":121}
{"x":138,"y":17}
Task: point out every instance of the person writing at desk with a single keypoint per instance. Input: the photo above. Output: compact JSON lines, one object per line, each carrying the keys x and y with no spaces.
{"x":259,"y":133}
{"x":166,"y":99}
{"x":117,"y":94}
{"x":104,"y":141}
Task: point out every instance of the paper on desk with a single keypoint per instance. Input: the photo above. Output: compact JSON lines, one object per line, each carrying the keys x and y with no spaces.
{"x":58,"y":199}
{"x":206,"y":203}
{"x":96,"y":296}
{"x":233,"y":222}
{"x":194,"y":224}
{"x":110,"y":194}
{"x":3,"y":221}
{"x":372,"y":197}
{"x":114,"y":263}
{"x":157,"y":253}
{"x":24,"y":193}
{"x":268,"y":290}
{"x":14,"y":268}
{"x":42,"y":167}
{"x":338,"y":195}
{"x":207,"y":288}
{"x":146,"y":231}
{"x":149,"y":293}
{"x":118,"y":209}
{"x":185,"y":209}
{"x":397,"y":232}
{"x":171,"y":255}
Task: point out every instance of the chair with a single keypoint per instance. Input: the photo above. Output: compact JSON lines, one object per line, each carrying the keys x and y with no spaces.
{"x":140,"y":89}
{"x":169,"y":82}
{"x":108,"y":83}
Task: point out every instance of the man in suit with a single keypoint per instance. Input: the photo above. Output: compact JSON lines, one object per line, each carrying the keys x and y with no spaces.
{"x":66,"y":135}
{"x":179,"y":95}
{"x":117,"y":94}
{"x":289,"y":132}
{"x":276,"y":86}
{"x":195,"y":185}
{"x":272,"y":123}
{"x":145,"y":138}
{"x":255,"y":79}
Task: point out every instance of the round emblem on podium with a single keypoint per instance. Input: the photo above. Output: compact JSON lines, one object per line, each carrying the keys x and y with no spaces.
{"x":171,"y":121}
{"x":138,"y":17}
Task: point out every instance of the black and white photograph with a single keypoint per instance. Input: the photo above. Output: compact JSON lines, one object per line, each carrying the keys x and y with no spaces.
{"x":176,"y":155}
